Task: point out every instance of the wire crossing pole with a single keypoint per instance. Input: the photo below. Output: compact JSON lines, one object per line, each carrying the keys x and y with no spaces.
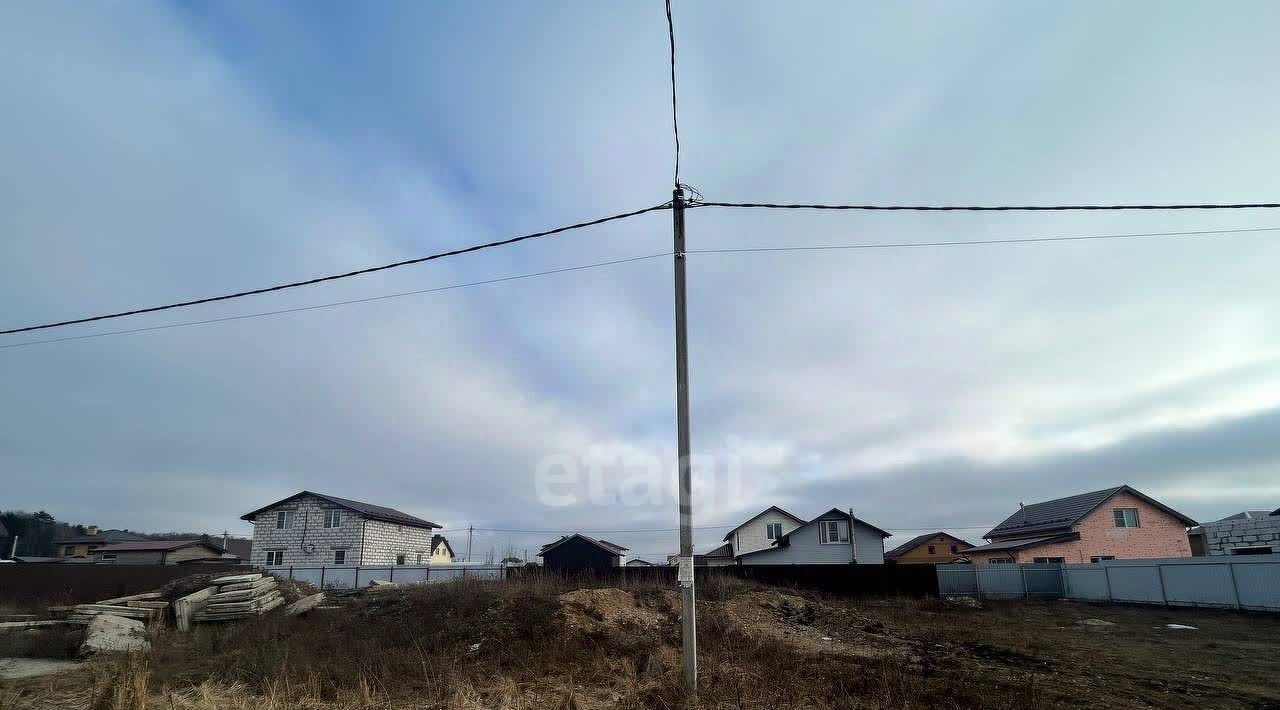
{"x":684,"y":577}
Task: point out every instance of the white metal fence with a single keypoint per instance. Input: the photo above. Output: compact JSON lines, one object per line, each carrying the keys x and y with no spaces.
{"x":1239,"y":582}
{"x":351,"y":577}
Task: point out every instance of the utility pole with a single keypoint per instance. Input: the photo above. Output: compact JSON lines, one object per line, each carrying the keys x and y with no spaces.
{"x":13,"y":549}
{"x":470,"y":529}
{"x":853,"y":541}
{"x":684,"y":577}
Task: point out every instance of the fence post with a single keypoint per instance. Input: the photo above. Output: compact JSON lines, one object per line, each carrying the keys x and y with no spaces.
{"x":1235,"y":586}
{"x":291,"y":572}
{"x":977,"y":580}
{"x":391,"y":574}
{"x":322,"y":576}
{"x":1164,"y":596}
{"x":356,"y":583}
{"x":1106,"y":572}
{"x":1026,"y":591}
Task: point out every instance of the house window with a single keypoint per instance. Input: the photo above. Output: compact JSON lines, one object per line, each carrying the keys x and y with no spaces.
{"x":1000,"y":561}
{"x":275,"y":557}
{"x":955,"y":549}
{"x":1099,"y":558}
{"x":339,"y":557}
{"x":284,"y":519}
{"x":333,"y":518}
{"x":69,"y":550}
{"x":108,"y":556}
{"x":833,"y":532}
{"x":1126,"y":517}
{"x":932,"y":550}
{"x":773,"y":531}
{"x":399,"y":559}
{"x":419,"y":558}
{"x":1251,"y":550}
{"x":1049,"y":560}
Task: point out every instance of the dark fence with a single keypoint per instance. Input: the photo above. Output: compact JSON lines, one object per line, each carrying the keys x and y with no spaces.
{"x":61,"y":583}
{"x":841,"y":580}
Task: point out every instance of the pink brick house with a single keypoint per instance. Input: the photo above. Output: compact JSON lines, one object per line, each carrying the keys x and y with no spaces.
{"x":1116,"y":523}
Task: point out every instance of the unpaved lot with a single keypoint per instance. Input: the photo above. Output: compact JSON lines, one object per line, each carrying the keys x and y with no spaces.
{"x":479,"y":645}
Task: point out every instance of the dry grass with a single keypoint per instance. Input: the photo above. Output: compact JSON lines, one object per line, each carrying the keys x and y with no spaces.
{"x":540,"y":644}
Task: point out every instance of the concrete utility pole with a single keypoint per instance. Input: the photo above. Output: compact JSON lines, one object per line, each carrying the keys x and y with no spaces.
{"x":470,"y":529}
{"x":689,"y":626}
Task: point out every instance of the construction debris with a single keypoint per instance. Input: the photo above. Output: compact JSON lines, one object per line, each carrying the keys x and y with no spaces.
{"x":304,"y":604}
{"x":152,"y":611}
{"x":108,"y":632}
{"x":239,"y":596}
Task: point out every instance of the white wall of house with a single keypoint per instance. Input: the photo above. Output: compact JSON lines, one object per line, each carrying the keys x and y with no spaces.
{"x":806,"y":548}
{"x":359,"y":540}
{"x":753,"y":536}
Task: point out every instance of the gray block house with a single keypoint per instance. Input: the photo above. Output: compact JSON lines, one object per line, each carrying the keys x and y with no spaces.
{"x":1251,"y":532}
{"x":317,"y":529}
{"x":825,"y":540}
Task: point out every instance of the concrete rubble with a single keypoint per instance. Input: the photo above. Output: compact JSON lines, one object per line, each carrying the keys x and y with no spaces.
{"x":107,"y":632}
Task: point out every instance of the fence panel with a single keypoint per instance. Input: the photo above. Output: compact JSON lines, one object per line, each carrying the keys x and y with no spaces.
{"x":327,"y":577}
{"x":71,"y":583}
{"x":1258,"y":584}
{"x":1198,"y":585}
{"x":1042,"y":580}
{"x":1001,"y":581}
{"x":1085,"y":582}
{"x":958,"y":580}
{"x":1140,"y":584}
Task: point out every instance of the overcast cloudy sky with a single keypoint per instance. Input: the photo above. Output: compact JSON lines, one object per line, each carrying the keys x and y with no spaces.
{"x":159,"y":152}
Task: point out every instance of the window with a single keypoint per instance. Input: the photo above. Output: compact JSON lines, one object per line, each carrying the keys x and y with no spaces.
{"x":275,"y":557}
{"x":333,"y":518}
{"x":955,"y":549}
{"x":108,"y":556}
{"x":833,"y":532}
{"x":773,"y":531}
{"x":1000,"y":561}
{"x":1049,"y":560}
{"x":339,"y":557}
{"x":1126,"y":517}
{"x":284,"y":519}
{"x":69,"y":550}
{"x":1099,"y":558}
{"x":933,"y":550}
{"x":399,"y":559}
{"x":1251,"y":550}
{"x":419,"y":558}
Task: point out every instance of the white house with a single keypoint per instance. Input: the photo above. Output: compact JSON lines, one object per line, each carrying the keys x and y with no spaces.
{"x":316,"y":529}
{"x":760,"y":532}
{"x":833,"y":538}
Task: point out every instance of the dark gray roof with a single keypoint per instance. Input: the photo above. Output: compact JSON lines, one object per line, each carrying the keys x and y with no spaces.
{"x":102,"y":538}
{"x":919,"y":540}
{"x":156,"y":546}
{"x":1060,"y":514}
{"x":725,"y":550}
{"x":1276,"y":511}
{"x":368,"y":510}
{"x":1024,"y":542}
{"x":772,"y":508}
{"x":838,"y":514}
{"x":602,"y":544}
{"x":4,"y":532}
{"x":437,"y":539}
{"x":1246,"y":515}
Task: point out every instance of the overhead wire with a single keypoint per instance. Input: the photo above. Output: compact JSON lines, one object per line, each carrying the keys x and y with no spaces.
{"x":987,"y":208}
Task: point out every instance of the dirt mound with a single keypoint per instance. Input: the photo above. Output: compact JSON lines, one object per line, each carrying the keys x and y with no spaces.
{"x":810,"y":627}
{"x":611,"y":610}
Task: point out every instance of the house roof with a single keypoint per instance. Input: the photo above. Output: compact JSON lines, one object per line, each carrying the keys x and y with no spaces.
{"x":437,"y":539}
{"x":919,"y":540}
{"x":103,"y":536}
{"x":1023,"y":543}
{"x":602,"y":544}
{"x":833,"y":514}
{"x":1060,"y":514}
{"x":1276,"y":511}
{"x":368,"y":510}
{"x":772,"y":508}
{"x":4,"y":532}
{"x":637,"y":562}
{"x":155,"y":546}
{"x":725,"y":550}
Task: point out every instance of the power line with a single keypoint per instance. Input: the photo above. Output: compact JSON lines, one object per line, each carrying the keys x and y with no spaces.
{"x":636,"y":531}
{"x":333,"y":304}
{"x":349,"y":274}
{"x":987,"y":208}
{"x":675,"y":123}
{"x":974,"y":242}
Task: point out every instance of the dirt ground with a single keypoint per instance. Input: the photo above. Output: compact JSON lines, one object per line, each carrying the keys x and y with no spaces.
{"x":510,"y":646}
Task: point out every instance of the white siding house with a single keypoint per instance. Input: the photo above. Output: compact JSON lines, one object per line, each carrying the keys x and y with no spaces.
{"x":316,"y":529}
{"x":760,"y":532}
{"x":825,"y":540}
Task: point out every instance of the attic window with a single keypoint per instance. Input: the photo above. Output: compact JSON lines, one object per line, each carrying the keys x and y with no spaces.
{"x":773,"y":531}
{"x":1126,"y":517}
{"x":833,"y":532}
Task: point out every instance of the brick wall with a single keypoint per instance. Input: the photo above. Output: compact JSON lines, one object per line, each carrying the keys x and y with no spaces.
{"x":1222,"y":536}
{"x":1158,"y":535}
{"x":308,"y":526}
{"x":385,"y":541}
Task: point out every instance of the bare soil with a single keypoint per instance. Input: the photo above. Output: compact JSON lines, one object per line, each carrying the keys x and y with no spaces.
{"x":514,"y":645}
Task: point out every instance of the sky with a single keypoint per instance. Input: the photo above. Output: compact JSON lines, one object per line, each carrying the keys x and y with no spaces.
{"x":155,"y":152}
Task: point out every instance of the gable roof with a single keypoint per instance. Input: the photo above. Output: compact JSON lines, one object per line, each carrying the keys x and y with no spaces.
{"x":919,"y":540}
{"x":156,"y":546}
{"x":437,"y":540}
{"x":602,"y":544}
{"x":833,"y":514}
{"x":725,"y":550}
{"x":1276,"y":511}
{"x":4,"y":532}
{"x":1022,"y":543}
{"x":1060,"y":514}
{"x":103,"y":536}
{"x":772,"y":508}
{"x":368,"y":510}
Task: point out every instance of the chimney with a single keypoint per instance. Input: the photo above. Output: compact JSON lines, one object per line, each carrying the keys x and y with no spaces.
{"x":91,"y":530}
